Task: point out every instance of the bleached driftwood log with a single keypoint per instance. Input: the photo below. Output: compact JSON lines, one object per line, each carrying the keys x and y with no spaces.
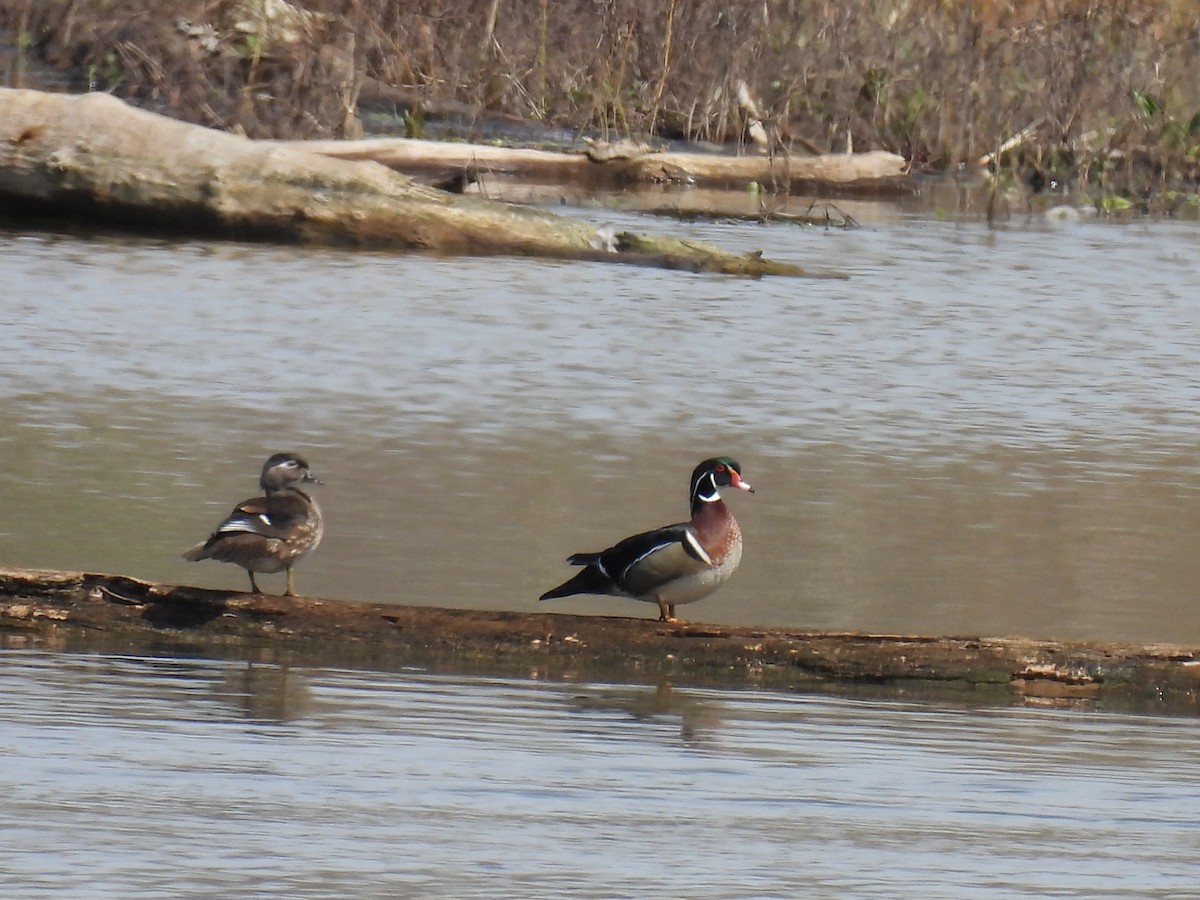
{"x":875,"y":170}
{"x":95,"y":160}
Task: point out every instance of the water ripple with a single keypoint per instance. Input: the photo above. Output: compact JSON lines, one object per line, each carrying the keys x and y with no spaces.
{"x":152,"y":776}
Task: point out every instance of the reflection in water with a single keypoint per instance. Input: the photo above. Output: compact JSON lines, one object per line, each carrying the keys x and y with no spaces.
{"x":981,"y":431}
{"x":697,"y":717}
{"x":122,"y":776}
{"x":265,"y":693}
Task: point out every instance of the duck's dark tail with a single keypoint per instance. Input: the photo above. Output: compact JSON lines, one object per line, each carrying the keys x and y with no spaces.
{"x":589,"y":580}
{"x":197,"y":553}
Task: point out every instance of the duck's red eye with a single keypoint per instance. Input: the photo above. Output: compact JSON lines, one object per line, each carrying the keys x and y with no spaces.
{"x":720,"y":467}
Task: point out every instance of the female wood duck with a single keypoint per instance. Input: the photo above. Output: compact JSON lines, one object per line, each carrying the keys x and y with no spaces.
{"x":269,"y":533}
{"x":677,"y":564}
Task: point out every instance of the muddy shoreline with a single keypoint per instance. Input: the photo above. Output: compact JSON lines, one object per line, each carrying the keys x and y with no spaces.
{"x":116,"y":613}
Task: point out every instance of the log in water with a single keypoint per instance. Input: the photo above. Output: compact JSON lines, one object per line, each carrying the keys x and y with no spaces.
{"x":93,"y":160}
{"x":42,"y":604}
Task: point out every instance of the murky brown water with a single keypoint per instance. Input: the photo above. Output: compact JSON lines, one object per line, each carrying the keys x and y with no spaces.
{"x":980,"y":431}
{"x":138,"y":777}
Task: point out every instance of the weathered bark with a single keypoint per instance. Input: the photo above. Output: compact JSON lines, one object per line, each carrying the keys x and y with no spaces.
{"x":94,"y":160}
{"x":873,"y":172}
{"x":65,"y":607}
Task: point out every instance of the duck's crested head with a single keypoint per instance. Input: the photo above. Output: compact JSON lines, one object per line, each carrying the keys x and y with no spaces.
{"x":716,"y":473}
{"x":283,"y":469}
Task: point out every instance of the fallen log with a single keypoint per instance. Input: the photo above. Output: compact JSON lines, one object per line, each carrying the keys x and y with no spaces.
{"x":873,"y":172}
{"x":88,"y":609}
{"x":93,"y":160}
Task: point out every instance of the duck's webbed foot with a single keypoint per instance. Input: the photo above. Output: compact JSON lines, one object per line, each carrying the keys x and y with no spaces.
{"x":666,"y":613}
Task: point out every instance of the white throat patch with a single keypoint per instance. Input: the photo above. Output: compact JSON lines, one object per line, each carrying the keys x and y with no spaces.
{"x":712,"y":494}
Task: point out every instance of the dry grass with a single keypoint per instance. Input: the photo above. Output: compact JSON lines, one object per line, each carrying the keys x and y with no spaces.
{"x":1099,"y":88}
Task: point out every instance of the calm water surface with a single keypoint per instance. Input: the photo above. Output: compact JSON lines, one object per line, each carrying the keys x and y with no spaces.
{"x":982,"y":431}
{"x":139,"y":777}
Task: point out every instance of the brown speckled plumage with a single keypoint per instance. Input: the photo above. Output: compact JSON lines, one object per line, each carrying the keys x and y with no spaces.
{"x":270,"y":533}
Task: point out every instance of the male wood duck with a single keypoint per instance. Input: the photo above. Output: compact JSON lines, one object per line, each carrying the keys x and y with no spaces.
{"x":673,"y":565}
{"x":269,"y":533}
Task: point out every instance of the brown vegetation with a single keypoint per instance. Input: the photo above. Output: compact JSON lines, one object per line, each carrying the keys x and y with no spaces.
{"x":1094,"y":87}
